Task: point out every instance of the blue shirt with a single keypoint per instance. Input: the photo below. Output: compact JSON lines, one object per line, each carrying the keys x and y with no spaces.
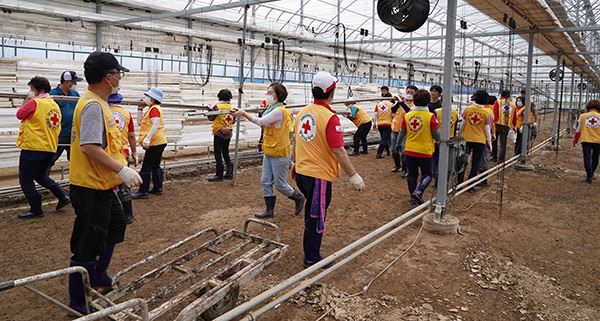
{"x":66,"y":109}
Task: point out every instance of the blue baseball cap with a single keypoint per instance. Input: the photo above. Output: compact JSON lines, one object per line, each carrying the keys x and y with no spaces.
{"x":70,"y":76}
{"x":115,"y":98}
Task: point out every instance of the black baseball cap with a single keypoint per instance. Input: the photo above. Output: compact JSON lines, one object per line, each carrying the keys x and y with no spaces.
{"x":70,"y":75}
{"x":102,"y":61}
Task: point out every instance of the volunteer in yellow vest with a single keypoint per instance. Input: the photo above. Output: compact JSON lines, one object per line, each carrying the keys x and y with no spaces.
{"x":383,"y":122}
{"x":222,"y":130}
{"x":153,"y":140}
{"x":124,"y":121}
{"x":319,"y":152}
{"x":420,"y":128}
{"x":38,"y":137}
{"x":502,"y":116}
{"x":484,"y":164}
{"x":476,"y":130}
{"x":362,"y":120}
{"x":436,"y":154}
{"x":400,"y":108}
{"x":518,"y":120}
{"x":277,"y":125}
{"x":588,"y":133}
{"x":95,"y":173}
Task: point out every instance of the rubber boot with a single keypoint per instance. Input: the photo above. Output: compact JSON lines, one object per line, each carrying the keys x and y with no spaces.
{"x":76,"y":288}
{"x":158,"y":177}
{"x":270,"y":205}
{"x":142,"y":193}
{"x":228,"y":172}
{"x":299,"y":200}
{"x":35,"y":207}
{"x":102,"y":282}
{"x":404,"y":172}
{"x":128,"y":210}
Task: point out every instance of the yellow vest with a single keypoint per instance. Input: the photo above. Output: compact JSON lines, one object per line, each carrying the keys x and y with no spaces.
{"x":159,"y":137}
{"x":40,"y":133}
{"x":453,"y":119}
{"x":313,"y":156}
{"x":590,"y":127}
{"x":384,"y":113}
{"x":520,"y":114}
{"x":122,"y":120}
{"x":84,"y":171}
{"x":505,"y":108}
{"x":276,"y":141}
{"x":398,"y":116}
{"x":361,"y":117}
{"x":418,"y":132}
{"x":223,"y":120}
{"x":475,"y":121}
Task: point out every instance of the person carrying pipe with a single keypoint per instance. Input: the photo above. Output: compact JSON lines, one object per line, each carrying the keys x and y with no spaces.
{"x":502,"y":117}
{"x":420,"y":129}
{"x":68,"y":82}
{"x":95,"y":173}
{"x":318,"y":153}
{"x":363,"y":122}
{"x":588,"y":133}
{"x":383,"y":122}
{"x":153,"y":140}
{"x":518,"y":120}
{"x":40,"y":118}
{"x":222,"y":130}
{"x":124,"y":122}
{"x":399,"y":109}
{"x":277,"y":125}
{"x":476,"y":130}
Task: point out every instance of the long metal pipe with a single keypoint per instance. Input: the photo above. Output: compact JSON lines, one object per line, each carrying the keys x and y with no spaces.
{"x":240,"y":94}
{"x":118,"y":308}
{"x":556,"y":102}
{"x":525,"y":140}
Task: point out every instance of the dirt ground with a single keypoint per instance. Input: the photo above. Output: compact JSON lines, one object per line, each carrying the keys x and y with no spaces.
{"x":537,"y":260}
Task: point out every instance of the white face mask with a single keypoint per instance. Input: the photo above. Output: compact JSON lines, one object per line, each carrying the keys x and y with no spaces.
{"x":519,"y":103}
{"x":114,"y":90}
{"x":147,"y":100}
{"x":408,"y":97}
{"x":270,"y":100}
{"x":31,"y":94}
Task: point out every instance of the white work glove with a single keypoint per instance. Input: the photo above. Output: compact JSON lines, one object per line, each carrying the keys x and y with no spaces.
{"x":136,"y":160}
{"x":129,"y":177}
{"x":357,"y":181}
{"x":146,"y":143}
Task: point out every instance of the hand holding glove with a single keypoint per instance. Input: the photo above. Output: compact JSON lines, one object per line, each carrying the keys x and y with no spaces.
{"x":146,"y":143}
{"x":357,"y":181}
{"x":129,"y":177}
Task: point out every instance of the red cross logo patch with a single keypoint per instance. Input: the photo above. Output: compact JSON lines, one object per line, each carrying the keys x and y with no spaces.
{"x":53,"y":118}
{"x":307,"y":127}
{"x":228,"y":119}
{"x":119,"y":120}
{"x":592,"y":121}
{"x":475,"y":118}
{"x":415,"y":123}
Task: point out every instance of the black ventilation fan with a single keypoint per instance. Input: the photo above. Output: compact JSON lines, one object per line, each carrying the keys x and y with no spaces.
{"x":403,"y":15}
{"x":553,"y":75}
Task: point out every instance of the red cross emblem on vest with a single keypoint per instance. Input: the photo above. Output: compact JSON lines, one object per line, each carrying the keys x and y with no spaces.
{"x":54,"y":119}
{"x":308,"y":127}
{"x":415,"y":123}
{"x":475,"y":119}
{"x":382,"y":107}
{"x":592,"y":121}
{"x":228,"y":118}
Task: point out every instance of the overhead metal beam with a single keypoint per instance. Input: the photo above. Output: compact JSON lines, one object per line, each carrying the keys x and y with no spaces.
{"x":187,"y":13}
{"x":540,"y":54}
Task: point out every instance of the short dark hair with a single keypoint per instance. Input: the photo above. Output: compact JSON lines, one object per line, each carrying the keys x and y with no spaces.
{"x":387,"y":95}
{"x":593,"y":104}
{"x":492,"y":99}
{"x":481,"y":97}
{"x":280,"y":91}
{"x":436,"y":88}
{"x":318,"y":93}
{"x":94,"y":76}
{"x":415,"y":88}
{"x":521,"y":98}
{"x":224,"y":95}
{"x":523,"y":92}
{"x":40,"y":84}
{"x":505,"y":93}
{"x":422,"y":97}
{"x":385,"y":88}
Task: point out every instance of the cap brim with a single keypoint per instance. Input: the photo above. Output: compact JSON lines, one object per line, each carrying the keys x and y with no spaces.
{"x":122,"y":68}
{"x":77,"y":79}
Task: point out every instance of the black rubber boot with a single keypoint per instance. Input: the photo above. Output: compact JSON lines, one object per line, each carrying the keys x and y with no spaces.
{"x":270,"y":206}
{"x":35,"y":207}
{"x":299,"y":200}
{"x":103,"y":282}
{"x":142,"y":193}
{"x":158,"y":177}
{"x":76,"y":287}
{"x":228,"y":172}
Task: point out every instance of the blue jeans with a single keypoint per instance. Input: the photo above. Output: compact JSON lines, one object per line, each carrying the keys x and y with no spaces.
{"x":33,"y":167}
{"x":591,"y":154}
{"x":274,"y":172}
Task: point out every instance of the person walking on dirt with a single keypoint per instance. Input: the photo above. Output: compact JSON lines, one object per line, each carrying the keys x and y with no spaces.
{"x":518,"y":120}
{"x":383,"y":122}
{"x":476,"y":130}
{"x":420,"y":129}
{"x":95,"y":172}
{"x":153,"y":140}
{"x":362,"y":120}
{"x":588,"y":133}
{"x":222,"y":131}
{"x":400,"y":109}
{"x":40,"y":120}
{"x":502,"y":115}
{"x":124,"y":121}
{"x":277,"y":125}
{"x":319,"y":152}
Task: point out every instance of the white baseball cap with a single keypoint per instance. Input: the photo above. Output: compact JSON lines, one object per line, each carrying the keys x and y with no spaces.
{"x":324,"y":80}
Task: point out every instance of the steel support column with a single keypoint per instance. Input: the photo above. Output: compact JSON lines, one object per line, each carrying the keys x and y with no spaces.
{"x":556,"y":102}
{"x":442,"y":190}
{"x":571,"y":114}
{"x":253,"y":48}
{"x":240,"y":95}
{"x":525,"y":140}
{"x":337,"y":39}
{"x":98,"y":27}
{"x":188,"y":50}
